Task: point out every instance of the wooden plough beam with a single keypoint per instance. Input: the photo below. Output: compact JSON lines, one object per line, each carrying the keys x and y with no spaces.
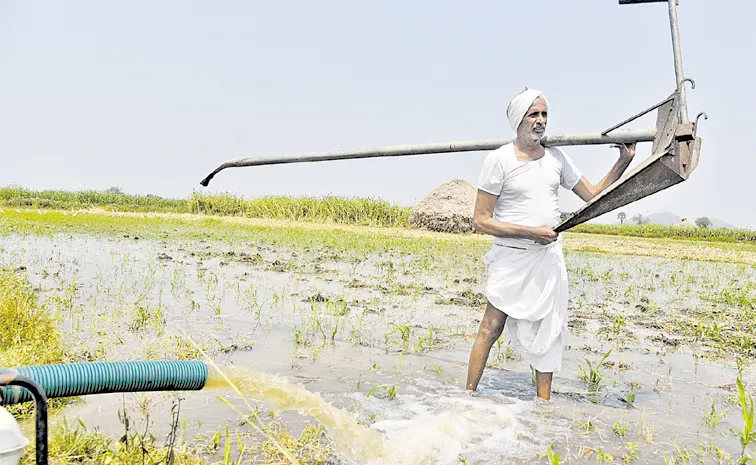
{"x":674,"y":155}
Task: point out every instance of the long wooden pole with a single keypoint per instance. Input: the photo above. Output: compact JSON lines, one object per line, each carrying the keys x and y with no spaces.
{"x":616,"y":137}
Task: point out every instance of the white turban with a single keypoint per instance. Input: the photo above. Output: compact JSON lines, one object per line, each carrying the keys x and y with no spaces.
{"x":519,"y":105}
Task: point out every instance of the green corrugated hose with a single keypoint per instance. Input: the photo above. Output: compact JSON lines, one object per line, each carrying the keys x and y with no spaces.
{"x":79,"y":379}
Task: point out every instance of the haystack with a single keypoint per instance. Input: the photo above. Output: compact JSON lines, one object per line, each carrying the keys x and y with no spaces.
{"x":448,"y":208}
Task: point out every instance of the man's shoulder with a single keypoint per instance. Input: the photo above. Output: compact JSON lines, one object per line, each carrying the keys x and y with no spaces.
{"x":506,"y":148}
{"x":559,"y":155}
{"x":556,"y":152}
{"x":501,"y":153}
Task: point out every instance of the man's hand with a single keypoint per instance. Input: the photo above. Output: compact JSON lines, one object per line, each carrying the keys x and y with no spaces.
{"x":626,"y":150}
{"x":544,"y":235}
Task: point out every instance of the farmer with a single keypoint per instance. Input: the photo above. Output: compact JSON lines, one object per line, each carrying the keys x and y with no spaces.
{"x":517,"y":204}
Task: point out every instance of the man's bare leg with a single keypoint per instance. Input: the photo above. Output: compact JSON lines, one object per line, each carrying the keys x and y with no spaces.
{"x":489,"y":331}
{"x":543,"y":385}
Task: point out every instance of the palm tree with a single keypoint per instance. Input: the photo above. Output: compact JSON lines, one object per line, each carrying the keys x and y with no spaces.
{"x":621,"y":216}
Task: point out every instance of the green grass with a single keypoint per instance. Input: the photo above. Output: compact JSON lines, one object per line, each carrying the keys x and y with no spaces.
{"x":62,"y":200}
{"x":339,"y":210}
{"x":30,"y":334}
{"x":358,"y":211}
{"x":79,"y":444}
{"x":366,"y":212}
{"x":355,"y":242}
{"x":69,"y":445}
{"x":671,"y":232}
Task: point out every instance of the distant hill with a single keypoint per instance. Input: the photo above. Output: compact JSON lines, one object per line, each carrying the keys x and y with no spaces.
{"x":670,"y":219}
{"x":717,"y":223}
{"x":666,"y":218}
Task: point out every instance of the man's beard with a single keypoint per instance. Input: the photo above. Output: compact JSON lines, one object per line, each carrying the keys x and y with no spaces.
{"x":537,"y":133}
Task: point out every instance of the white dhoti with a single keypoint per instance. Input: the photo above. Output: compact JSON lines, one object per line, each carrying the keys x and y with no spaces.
{"x":528,"y":281}
{"x":530,"y":287}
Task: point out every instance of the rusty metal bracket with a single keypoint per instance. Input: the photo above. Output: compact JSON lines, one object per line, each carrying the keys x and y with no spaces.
{"x":667,"y":120}
{"x":636,"y":116}
{"x":650,"y":109}
{"x":674,"y":155}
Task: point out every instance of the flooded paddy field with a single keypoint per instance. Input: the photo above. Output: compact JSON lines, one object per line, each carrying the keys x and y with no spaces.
{"x":356,"y":343}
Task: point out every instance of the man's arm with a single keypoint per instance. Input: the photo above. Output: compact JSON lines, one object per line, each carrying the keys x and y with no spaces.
{"x":484,"y":222}
{"x":586,"y":191}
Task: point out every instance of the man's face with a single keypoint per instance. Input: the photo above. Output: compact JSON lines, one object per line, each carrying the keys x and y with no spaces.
{"x":533,"y":125}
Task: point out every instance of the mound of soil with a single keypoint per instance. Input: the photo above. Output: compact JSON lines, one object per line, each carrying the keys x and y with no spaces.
{"x":448,"y":208}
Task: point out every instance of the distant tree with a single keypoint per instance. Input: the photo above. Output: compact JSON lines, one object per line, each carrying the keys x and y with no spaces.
{"x":621,"y":216}
{"x":639,"y":219}
{"x":114,"y":190}
{"x":703,"y":222}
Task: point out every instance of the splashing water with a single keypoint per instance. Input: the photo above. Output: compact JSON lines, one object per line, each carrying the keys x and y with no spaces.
{"x":433,"y":423}
{"x":439,"y":424}
{"x":349,"y":437}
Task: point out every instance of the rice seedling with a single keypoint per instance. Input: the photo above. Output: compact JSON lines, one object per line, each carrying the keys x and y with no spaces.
{"x":620,"y":429}
{"x":630,"y":293}
{"x":301,"y":337}
{"x":437,"y":368}
{"x":684,"y":455}
{"x":390,"y":391}
{"x":713,"y":417}
{"x":405,"y":332}
{"x":747,"y":434}
{"x":586,"y":426}
{"x":630,"y":396}
{"x":631,"y":450}
{"x":602,"y":457}
{"x":552,"y":456}
{"x":427,"y":342}
{"x":618,"y":323}
{"x":593,"y":375}
{"x":360,"y":380}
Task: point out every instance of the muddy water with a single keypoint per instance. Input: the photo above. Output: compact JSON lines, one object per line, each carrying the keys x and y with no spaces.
{"x":376,"y":349}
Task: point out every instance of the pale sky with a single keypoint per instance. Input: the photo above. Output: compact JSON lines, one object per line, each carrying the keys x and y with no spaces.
{"x":152,"y":95}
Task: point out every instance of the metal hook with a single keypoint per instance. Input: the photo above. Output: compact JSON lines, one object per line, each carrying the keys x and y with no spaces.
{"x":690,"y":80}
{"x":695,"y":125}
